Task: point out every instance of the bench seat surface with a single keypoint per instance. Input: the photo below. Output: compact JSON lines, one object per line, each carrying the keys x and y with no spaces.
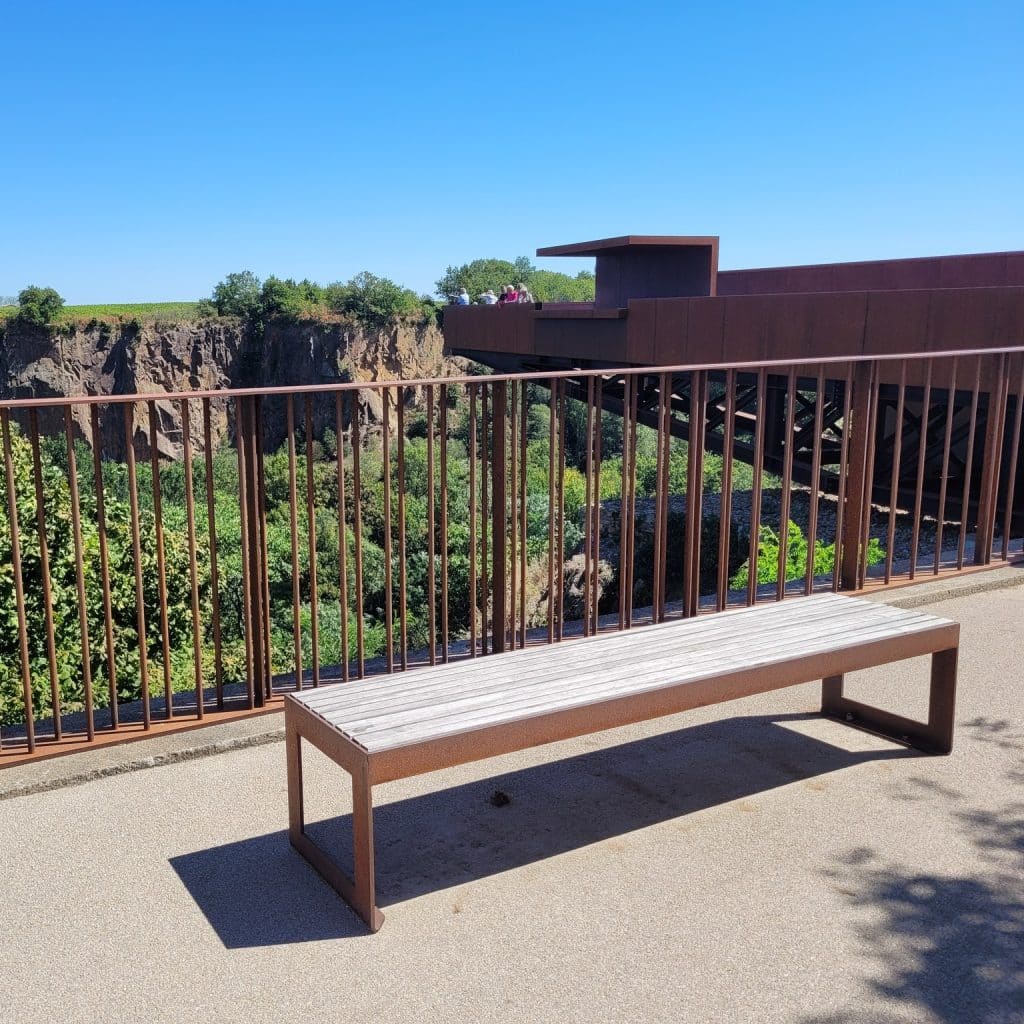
{"x":429,"y":703}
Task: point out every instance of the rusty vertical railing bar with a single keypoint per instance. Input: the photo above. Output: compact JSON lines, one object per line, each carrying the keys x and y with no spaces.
{"x":161,"y":560}
{"x":101,"y":530}
{"x":599,"y":383}
{"x":588,"y":514}
{"x":661,"y":505}
{"x":560,"y":513}
{"x":787,"y":485}
{"x":484,"y":517}
{"x":944,"y":480}
{"x":812,"y":516}
{"x":44,"y":565}
{"x":293,"y":523}
{"x":431,"y":524}
{"x":19,"y":585}
{"x":314,"y":609}
{"x":988,"y":499}
{"x":725,"y":493}
{"x":552,"y":454}
{"x":140,"y":602}
{"x":243,"y":448}
{"x":193,"y":562}
{"x":894,"y":480}
{"x":211,"y":529}
{"x":522,"y":517}
{"x":357,"y":534}
{"x":1014,"y":455}
{"x":339,"y":432}
{"x":499,"y":514}
{"x":968,"y":466}
{"x":627,"y":382}
{"x":631,"y":441}
{"x":756,"y":486}
{"x":922,"y":452}
{"x":403,"y":581}
{"x":845,"y":441}
{"x":443,"y":428}
{"x":874,"y":393}
{"x":389,"y":582}
{"x":513,"y":496}
{"x":260,"y":552}
{"x":471,"y":398}
{"x":694,"y":493}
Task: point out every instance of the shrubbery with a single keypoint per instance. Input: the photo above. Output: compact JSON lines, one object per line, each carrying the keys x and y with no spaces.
{"x":38,"y":306}
{"x":824,"y":557}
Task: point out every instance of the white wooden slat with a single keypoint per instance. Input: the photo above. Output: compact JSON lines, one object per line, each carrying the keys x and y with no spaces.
{"x":427,"y":676}
{"x":501,"y":671}
{"x":678,"y":661}
{"x":661,"y":676}
{"x":575,"y":657}
{"x":382,"y":714}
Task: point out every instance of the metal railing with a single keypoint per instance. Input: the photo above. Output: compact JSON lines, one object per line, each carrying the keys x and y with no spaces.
{"x":167,"y":559}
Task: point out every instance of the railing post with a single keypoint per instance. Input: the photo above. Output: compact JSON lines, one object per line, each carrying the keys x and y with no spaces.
{"x":252,"y":541}
{"x":995,"y":428}
{"x":858,"y":487}
{"x":499,"y":519}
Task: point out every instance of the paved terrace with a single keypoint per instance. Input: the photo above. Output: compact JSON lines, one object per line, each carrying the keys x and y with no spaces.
{"x":750,"y":862}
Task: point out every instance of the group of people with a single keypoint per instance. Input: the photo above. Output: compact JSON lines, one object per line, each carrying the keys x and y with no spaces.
{"x":509,"y":294}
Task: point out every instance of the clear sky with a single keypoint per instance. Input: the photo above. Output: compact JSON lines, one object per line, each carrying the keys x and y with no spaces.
{"x":149,"y":149}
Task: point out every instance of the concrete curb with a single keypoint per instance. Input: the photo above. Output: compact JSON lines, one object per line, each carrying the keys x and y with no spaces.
{"x":72,"y":770}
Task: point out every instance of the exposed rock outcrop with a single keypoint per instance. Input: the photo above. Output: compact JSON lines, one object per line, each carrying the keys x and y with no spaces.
{"x":103,"y":358}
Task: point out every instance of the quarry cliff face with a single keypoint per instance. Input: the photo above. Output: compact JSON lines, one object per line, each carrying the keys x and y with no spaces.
{"x":102,"y":358}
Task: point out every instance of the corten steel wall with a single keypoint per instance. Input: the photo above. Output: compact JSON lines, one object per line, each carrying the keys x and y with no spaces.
{"x":496,"y":512}
{"x":742,"y":328}
{"x":970,"y":271}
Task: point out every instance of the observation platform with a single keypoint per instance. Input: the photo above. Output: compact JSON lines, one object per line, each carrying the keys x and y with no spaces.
{"x":662,"y":301}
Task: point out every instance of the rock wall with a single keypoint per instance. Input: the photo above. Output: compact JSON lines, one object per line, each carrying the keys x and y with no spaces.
{"x":103,"y":358}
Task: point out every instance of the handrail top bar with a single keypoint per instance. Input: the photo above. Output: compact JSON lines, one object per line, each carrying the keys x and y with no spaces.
{"x":533,"y":375}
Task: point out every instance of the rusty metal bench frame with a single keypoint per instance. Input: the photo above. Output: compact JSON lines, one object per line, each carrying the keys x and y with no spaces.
{"x":368,"y":769}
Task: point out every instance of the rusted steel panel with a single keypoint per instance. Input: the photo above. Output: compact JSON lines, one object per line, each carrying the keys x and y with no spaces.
{"x":672,"y":331}
{"x":744,"y":331}
{"x":896,"y":322}
{"x":641,"y":328}
{"x":973,"y":270}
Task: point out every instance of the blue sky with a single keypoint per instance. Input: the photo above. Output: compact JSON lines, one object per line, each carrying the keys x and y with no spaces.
{"x":150,"y":149}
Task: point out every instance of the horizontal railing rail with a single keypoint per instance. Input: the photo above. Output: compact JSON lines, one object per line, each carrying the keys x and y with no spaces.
{"x":175,"y":558}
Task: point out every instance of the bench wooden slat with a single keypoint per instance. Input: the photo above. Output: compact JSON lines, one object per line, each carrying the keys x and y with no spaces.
{"x":581,"y":654}
{"x":403,"y":725}
{"x":383,"y":714}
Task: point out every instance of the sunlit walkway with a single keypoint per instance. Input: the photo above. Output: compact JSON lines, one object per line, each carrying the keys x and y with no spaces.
{"x":751,"y":862}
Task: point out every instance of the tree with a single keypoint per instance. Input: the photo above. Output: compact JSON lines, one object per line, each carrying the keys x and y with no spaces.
{"x":478,"y":276}
{"x":288,"y":299}
{"x":546,"y":285}
{"x":372,"y":300}
{"x":39,"y":306}
{"x":238,"y":295}
{"x":550,"y":286}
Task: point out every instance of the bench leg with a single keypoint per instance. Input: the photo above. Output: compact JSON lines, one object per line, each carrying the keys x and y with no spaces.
{"x":360,"y":893}
{"x":933,"y":737}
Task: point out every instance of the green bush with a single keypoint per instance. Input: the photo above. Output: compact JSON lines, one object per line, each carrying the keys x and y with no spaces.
{"x":38,"y":306}
{"x":796,"y":557}
{"x":64,"y":595}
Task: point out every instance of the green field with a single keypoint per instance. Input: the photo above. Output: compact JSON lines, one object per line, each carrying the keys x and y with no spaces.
{"x":120,"y":310}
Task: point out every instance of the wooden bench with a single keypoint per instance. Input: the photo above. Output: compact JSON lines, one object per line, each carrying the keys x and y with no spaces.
{"x":397,"y":726}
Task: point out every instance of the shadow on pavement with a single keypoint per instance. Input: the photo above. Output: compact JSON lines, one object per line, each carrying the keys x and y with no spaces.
{"x":259,"y":892}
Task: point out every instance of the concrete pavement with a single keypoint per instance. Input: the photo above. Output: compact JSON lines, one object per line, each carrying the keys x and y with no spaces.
{"x":747,"y":862}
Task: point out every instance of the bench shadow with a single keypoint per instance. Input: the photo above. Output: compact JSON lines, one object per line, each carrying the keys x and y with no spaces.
{"x":260,"y":892}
